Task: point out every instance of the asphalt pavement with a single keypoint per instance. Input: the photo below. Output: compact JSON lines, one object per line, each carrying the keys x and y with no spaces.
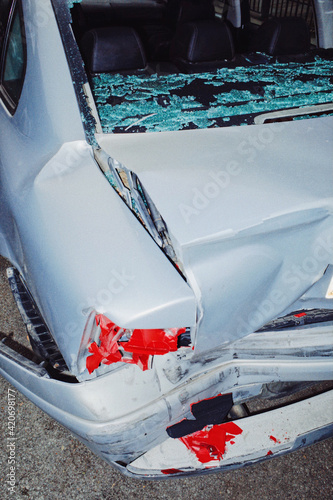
{"x":49,"y":463}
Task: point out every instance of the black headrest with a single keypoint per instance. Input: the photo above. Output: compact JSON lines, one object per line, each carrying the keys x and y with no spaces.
{"x":283,"y":36}
{"x":201,"y":42}
{"x":117,"y":48}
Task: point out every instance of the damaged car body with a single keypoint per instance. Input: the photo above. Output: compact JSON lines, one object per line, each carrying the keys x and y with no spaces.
{"x":167,"y":209}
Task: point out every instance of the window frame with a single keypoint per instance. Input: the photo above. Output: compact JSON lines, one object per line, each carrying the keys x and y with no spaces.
{"x":8,"y":101}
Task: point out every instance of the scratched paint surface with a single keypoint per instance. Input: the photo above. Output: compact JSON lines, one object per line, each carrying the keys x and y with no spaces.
{"x":141,"y":103}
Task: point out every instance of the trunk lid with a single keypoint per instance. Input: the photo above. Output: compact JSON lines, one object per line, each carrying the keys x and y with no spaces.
{"x":249,"y":211}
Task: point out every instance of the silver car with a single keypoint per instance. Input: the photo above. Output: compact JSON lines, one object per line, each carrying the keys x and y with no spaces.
{"x":166,"y":205}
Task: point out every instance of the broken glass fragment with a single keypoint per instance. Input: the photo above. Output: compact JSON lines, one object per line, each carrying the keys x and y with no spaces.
{"x":228,"y":96}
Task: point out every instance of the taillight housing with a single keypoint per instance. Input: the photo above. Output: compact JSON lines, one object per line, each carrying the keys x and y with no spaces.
{"x":104,"y":342}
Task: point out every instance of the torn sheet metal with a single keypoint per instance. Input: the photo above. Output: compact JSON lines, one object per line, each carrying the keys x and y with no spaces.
{"x":229,"y":96}
{"x":129,"y":188}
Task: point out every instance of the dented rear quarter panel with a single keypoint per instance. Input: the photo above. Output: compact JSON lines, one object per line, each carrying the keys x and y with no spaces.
{"x":58,"y":225}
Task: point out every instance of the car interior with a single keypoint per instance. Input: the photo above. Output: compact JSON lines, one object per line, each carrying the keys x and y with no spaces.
{"x":184,"y":36}
{"x":179,"y":37}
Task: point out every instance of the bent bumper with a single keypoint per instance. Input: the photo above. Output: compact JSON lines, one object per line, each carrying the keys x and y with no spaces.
{"x":127,"y":426}
{"x":261,"y":436}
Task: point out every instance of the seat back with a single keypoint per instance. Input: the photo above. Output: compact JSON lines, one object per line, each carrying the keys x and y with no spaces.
{"x":202,"y":46}
{"x":113,"y":49}
{"x":283,"y":36}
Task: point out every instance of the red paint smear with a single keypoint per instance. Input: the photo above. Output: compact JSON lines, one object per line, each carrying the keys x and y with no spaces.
{"x":209,"y":444}
{"x":274,"y":439}
{"x":141,"y":344}
{"x":153,"y":341}
{"x":108,"y":351}
{"x":299,"y":315}
{"x":269,"y":453}
{"x":170,"y":471}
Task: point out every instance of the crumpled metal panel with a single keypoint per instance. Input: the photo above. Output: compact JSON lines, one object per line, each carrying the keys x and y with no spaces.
{"x":248,"y":218}
{"x":120,"y":260}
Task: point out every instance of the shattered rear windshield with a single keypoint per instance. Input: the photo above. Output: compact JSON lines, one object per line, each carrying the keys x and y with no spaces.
{"x":228,"y":96}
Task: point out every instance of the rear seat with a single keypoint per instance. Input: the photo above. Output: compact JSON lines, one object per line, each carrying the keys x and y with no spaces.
{"x":188,"y":38}
{"x":197,"y":46}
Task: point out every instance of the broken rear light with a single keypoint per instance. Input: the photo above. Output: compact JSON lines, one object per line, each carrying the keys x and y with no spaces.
{"x":106,"y":343}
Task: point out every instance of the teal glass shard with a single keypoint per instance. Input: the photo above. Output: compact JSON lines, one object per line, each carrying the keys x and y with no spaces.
{"x":226,"y":97}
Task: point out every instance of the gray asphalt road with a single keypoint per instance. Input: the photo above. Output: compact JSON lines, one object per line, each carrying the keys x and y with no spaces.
{"x":51,"y":464}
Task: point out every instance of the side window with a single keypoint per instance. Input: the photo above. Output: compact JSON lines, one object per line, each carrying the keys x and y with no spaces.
{"x":4,"y":15}
{"x":14,"y":60}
